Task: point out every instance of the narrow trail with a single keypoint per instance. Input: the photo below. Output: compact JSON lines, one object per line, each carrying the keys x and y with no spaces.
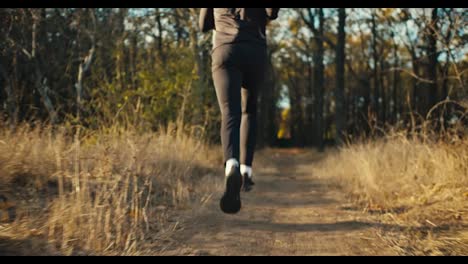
{"x":289,"y":212}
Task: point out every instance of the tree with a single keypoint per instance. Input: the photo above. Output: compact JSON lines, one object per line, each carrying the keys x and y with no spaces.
{"x":340,"y":114}
{"x":318,"y":71}
{"x":433,"y":56}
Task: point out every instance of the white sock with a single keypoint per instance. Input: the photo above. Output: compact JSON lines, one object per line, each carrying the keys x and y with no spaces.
{"x":230,"y":163}
{"x":246,"y":169}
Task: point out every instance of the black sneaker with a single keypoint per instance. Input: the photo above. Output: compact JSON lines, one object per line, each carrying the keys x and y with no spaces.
{"x":230,"y":202}
{"x":248,"y":183}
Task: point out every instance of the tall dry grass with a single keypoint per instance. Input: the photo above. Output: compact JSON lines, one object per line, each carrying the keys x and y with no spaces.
{"x":415,"y":184}
{"x":101,"y":192}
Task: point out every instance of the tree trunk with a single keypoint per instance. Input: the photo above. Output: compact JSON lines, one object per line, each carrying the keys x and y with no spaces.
{"x":432,"y":65}
{"x":159,"y":40}
{"x":319,"y":83}
{"x":396,"y":76}
{"x":375,"y":58}
{"x":340,"y":115}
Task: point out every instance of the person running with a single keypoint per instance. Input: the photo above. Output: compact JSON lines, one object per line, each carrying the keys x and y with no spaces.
{"x":239,"y":59}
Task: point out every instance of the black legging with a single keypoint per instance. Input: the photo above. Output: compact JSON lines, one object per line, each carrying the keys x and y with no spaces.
{"x":238,"y":73}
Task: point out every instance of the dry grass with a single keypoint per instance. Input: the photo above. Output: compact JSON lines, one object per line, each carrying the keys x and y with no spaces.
{"x":97,"y":193}
{"x":419,"y":186}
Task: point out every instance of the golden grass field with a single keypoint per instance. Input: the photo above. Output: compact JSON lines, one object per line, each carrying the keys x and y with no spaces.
{"x":113,"y":192}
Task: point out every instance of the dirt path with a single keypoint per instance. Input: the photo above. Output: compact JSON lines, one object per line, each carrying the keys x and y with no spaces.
{"x":289,"y":213}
